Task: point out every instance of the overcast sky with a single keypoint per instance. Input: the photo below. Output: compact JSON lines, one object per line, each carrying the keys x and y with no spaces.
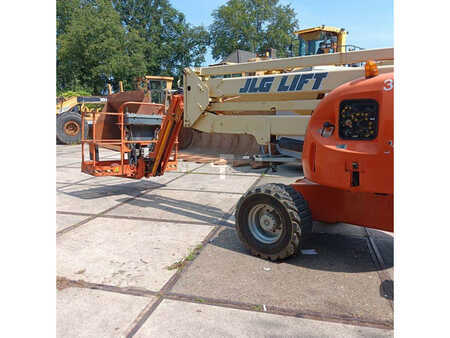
{"x":370,"y":24}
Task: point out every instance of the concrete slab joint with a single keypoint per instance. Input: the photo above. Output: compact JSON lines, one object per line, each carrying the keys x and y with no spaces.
{"x":118,"y":238}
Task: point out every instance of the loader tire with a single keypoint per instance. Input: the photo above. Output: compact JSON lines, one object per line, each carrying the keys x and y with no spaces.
{"x":272,"y":220}
{"x":68,"y":128}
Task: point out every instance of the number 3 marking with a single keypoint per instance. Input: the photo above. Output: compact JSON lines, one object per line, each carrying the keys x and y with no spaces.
{"x":388,"y":84}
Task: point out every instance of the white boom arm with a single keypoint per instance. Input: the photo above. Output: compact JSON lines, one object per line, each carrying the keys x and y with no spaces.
{"x":219,"y":105}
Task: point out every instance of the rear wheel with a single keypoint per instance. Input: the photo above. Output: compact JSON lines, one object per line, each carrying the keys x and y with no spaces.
{"x":68,"y":128}
{"x":272,"y":220}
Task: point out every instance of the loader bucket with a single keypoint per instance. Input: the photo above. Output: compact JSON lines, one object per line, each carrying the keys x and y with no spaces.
{"x":211,"y":146}
{"x":218,"y":143}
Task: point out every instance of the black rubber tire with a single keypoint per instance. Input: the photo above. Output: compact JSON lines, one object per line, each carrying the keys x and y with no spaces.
{"x":296,"y":220}
{"x":61,"y":120}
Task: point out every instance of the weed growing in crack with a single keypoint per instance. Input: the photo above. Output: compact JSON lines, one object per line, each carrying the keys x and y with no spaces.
{"x":190,"y":257}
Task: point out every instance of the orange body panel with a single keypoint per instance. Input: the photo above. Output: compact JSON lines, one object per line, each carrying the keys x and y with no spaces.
{"x":332,"y":162}
{"x":333,"y":205}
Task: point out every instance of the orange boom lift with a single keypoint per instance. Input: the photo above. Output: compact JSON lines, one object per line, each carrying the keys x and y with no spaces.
{"x":347,"y":154}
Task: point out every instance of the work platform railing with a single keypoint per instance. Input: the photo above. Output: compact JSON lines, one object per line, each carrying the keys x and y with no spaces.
{"x":149,"y":165}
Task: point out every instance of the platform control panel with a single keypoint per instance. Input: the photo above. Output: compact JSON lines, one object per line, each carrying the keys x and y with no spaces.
{"x":358,"y":119}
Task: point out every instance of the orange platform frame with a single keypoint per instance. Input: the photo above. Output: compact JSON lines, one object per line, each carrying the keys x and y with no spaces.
{"x":163,"y":158}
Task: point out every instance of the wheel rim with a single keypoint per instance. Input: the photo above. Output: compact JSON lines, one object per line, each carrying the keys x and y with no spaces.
{"x":71,"y":128}
{"x":265,"y":223}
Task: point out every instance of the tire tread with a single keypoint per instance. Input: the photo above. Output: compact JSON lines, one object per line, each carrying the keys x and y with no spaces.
{"x":296,"y":207}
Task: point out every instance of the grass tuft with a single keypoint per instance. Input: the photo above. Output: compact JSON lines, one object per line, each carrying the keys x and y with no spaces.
{"x":190,"y":257}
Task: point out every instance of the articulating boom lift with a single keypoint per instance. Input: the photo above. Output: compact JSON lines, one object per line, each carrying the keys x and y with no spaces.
{"x":347,"y":154}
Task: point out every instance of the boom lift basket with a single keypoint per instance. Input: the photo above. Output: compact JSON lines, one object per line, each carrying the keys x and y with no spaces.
{"x":148,"y":144}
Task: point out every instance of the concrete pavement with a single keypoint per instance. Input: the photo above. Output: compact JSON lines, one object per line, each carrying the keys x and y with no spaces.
{"x":116,"y":239}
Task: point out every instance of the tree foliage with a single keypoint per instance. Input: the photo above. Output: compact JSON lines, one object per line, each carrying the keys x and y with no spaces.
{"x":64,"y":10}
{"x":105,"y":41}
{"x":170,"y":42}
{"x":253,"y":25}
{"x":95,"y":49}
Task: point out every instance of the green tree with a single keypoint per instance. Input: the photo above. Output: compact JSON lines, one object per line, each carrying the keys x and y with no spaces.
{"x":64,"y":11}
{"x":170,"y":42}
{"x":253,"y":25}
{"x":94,"y":49}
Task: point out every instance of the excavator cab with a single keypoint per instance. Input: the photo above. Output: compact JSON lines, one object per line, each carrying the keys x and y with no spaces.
{"x":322,"y":40}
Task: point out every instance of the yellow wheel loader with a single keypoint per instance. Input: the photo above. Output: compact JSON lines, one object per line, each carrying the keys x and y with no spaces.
{"x":68,"y":116}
